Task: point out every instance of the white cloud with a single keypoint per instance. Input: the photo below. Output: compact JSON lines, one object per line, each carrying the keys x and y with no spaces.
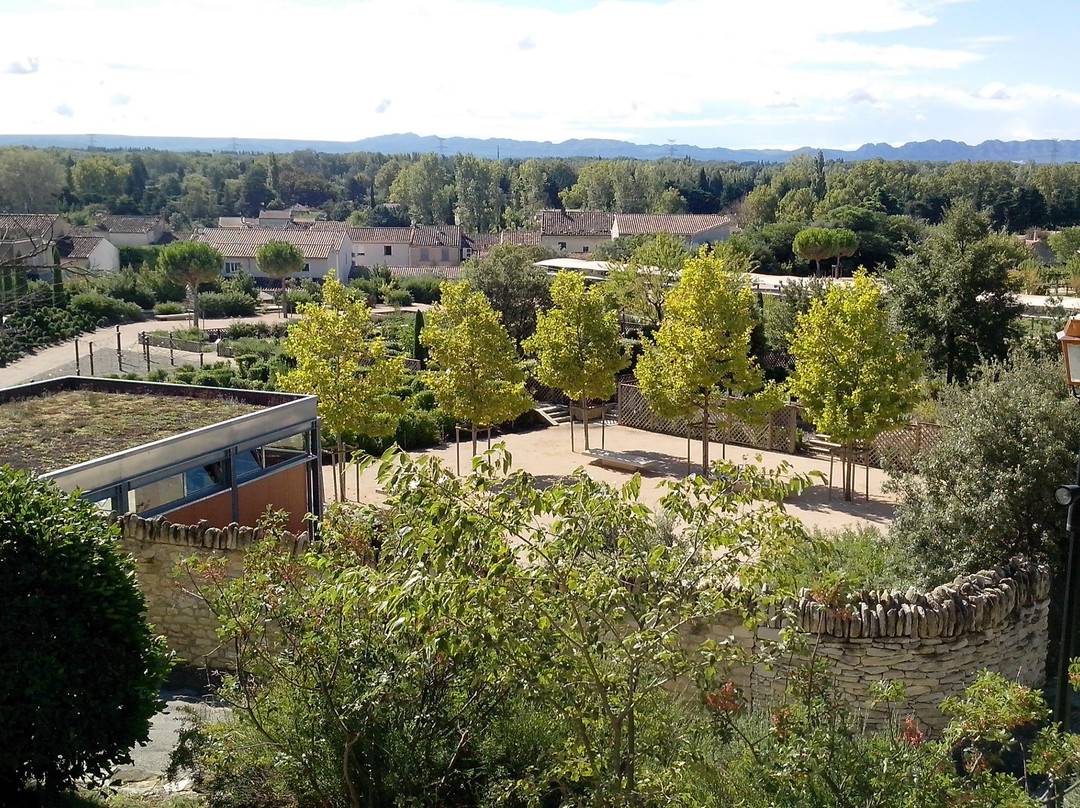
{"x":285,"y":68}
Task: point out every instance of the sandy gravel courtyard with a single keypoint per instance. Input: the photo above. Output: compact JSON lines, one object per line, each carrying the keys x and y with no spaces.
{"x":545,"y":453}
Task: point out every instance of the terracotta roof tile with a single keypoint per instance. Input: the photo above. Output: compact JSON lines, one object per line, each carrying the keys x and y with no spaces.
{"x":677,"y":224}
{"x":21,"y":226}
{"x":575,"y":222}
{"x":78,"y":246}
{"x":129,"y":224}
{"x":242,"y":242}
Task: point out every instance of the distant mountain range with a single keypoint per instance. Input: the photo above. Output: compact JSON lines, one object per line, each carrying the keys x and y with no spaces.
{"x":1039,"y":151}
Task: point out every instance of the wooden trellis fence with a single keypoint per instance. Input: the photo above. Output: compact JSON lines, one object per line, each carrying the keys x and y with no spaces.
{"x":898,"y":449}
{"x":776,"y":434}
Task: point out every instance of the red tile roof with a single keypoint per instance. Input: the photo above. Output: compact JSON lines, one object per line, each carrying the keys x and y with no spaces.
{"x":421,"y":235}
{"x":575,"y":222}
{"x":78,"y":246}
{"x":242,"y":242}
{"x":442,"y":235}
{"x":22,"y":226}
{"x":677,"y":224}
{"x":129,"y":224}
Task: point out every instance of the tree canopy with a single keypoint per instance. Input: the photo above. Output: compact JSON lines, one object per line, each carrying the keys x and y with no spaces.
{"x":191,"y":263}
{"x":342,"y":360}
{"x":81,"y":668}
{"x":577,"y":342}
{"x":477,"y":376}
{"x":514,"y":287}
{"x":642,"y":282}
{"x":955,"y":295}
{"x":854,"y":373}
{"x":698,"y":361}
{"x":279,"y":259}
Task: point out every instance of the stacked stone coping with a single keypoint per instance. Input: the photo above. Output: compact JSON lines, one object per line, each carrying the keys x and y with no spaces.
{"x":977,"y":602}
{"x":200,"y":536}
{"x":934,"y":642}
{"x":172,"y":607}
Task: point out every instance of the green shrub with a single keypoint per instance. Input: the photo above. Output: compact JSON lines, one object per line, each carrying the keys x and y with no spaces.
{"x":242,"y":283}
{"x":127,"y":284}
{"x":169,"y":308}
{"x":424,"y":400}
{"x":398,"y":297}
{"x":261,"y":330}
{"x":982,"y":492}
{"x":836,"y":563}
{"x":80,"y":672}
{"x":252,"y":345}
{"x":423,"y":290}
{"x":298,"y":297}
{"x":97,"y":309}
{"x":226,"y":304}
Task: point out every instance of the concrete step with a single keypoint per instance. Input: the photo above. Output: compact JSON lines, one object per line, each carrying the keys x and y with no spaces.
{"x":554,"y":414}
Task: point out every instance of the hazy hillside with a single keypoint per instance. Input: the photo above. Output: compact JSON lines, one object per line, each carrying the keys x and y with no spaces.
{"x":1039,"y":151}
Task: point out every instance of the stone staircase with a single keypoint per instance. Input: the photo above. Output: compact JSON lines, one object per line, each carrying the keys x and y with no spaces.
{"x":554,"y":414}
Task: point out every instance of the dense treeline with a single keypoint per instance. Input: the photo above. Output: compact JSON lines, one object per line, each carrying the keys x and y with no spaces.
{"x":192,"y":188}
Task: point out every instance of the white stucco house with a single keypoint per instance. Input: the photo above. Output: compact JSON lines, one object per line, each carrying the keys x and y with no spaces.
{"x":327,"y":253}
{"x":91,"y":252}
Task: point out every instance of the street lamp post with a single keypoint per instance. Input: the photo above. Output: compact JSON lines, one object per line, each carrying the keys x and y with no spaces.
{"x":1069,"y":495}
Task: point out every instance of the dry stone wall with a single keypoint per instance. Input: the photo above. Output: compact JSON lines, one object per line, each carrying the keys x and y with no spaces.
{"x":932,"y":642}
{"x":173,"y":608}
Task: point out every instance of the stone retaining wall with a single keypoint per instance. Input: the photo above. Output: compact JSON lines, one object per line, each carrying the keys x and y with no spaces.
{"x":158,"y":547}
{"x":934,"y":642}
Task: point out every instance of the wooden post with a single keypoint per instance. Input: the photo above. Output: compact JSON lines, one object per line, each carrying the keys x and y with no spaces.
{"x":172,"y":358}
{"x":200,"y":355}
{"x":119,"y":353}
{"x":78,"y":365}
{"x":688,"y":447}
{"x":91,"y":358}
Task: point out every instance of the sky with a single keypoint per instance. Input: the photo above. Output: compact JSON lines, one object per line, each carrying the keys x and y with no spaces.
{"x":766,"y":73}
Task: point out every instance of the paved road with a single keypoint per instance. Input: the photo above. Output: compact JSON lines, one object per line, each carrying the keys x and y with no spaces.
{"x":185,"y":688}
{"x":48,"y":362}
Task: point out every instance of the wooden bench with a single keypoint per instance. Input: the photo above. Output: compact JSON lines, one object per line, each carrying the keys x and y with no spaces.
{"x":624,"y":461}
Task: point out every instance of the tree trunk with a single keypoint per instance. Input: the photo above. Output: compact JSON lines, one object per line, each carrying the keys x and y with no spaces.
{"x":817,"y":267}
{"x":474,"y":440}
{"x":585,"y":420}
{"x":849,"y":465}
{"x":194,"y":305}
{"x":705,"y":437}
{"x":341,"y":469}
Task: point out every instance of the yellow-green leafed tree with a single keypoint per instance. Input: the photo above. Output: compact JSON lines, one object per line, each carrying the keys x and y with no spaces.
{"x":477,"y":376}
{"x":855,"y":375}
{"x":341,"y":359}
{"x":698,"y":361}
{"x":577,"y":342}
